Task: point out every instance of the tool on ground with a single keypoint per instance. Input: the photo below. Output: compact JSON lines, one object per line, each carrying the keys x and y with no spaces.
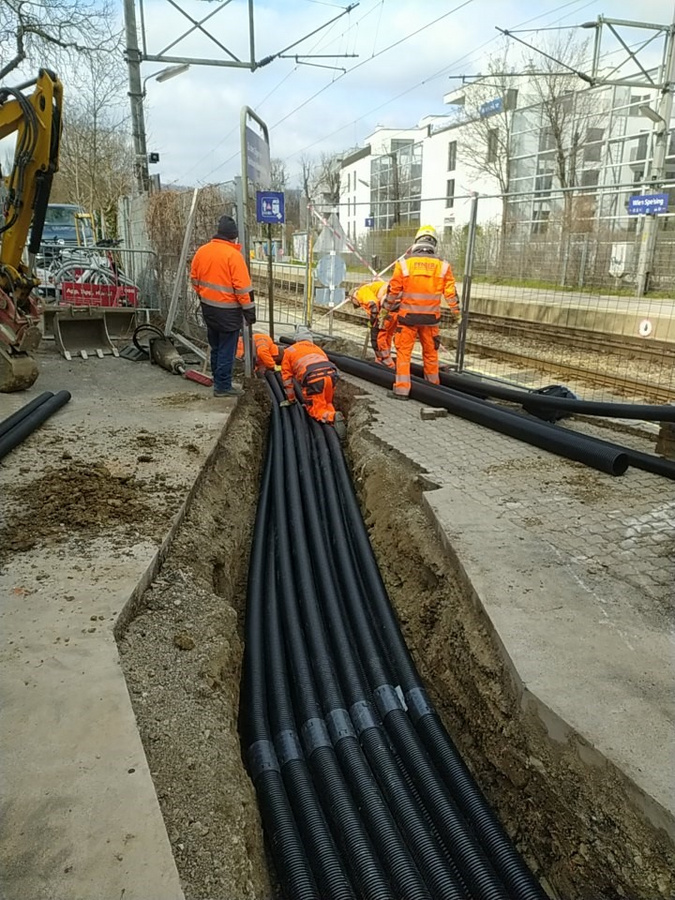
{"x":36,"y":119}
{"x":161,"y":352}
{"x":82,"y":331}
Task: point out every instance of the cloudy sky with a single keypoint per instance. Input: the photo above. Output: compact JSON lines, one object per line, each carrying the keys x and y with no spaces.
{"x":406,"y":52}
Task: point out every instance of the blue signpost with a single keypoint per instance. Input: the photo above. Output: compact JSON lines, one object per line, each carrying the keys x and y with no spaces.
{"x":647,"y":204}
{"x":269,"y":207}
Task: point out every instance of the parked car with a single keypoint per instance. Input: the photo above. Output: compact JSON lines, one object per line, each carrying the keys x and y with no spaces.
{"x":67,"y":225}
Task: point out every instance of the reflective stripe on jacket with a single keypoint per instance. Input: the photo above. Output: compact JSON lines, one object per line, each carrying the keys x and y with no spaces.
{"x":306,"y":363}
{"x":416,"y":289}
{"x":265,"y":351}
{"x":222,"y":281}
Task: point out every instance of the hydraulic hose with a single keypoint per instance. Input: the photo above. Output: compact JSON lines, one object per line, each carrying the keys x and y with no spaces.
{"x":532,"y":431}
{"x":501,"y":852}
{"x":27,"y":425}
{"x":474,"y":386}
{"x":473,"y":865}
{"x":9,"y":423}
{"x":284,"y":838}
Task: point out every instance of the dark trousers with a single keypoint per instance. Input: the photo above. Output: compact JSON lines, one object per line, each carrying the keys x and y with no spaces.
{"x":223,"y":345}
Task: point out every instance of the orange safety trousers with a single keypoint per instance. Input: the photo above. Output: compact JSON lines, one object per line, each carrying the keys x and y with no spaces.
{"x":318,"y":399}
{"x":383,"y":338}
{"x":406,"y":335}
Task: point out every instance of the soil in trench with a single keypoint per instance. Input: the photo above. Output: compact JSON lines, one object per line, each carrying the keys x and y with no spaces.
{"x":182,"y":656}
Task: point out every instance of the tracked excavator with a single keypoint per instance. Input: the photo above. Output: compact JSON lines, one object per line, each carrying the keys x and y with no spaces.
{"x":35,"y":116}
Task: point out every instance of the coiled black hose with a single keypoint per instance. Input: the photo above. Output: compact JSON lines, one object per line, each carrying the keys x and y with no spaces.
{"x":501,"y":852}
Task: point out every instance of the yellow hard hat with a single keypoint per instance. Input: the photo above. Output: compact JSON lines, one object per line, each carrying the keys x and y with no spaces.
{"x":427,"y":232}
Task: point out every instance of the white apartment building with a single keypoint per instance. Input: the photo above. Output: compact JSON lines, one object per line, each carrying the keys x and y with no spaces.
{"x":424,"y":175}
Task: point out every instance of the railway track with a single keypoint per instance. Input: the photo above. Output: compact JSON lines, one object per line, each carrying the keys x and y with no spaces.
{"x":588,"y":342}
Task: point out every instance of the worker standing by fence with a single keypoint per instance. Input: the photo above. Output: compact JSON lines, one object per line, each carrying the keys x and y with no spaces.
{"x":222,"y":280}
{"x":420,"y":281}
{"x":369,"y":297}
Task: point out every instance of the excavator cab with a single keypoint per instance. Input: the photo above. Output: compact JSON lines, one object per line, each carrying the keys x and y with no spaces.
{"x":36,"y":119}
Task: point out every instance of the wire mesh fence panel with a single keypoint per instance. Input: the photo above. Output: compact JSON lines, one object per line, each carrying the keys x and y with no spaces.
{"x":167,"y":219}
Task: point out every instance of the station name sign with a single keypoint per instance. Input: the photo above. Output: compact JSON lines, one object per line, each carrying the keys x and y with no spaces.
{"x":647,"y":204}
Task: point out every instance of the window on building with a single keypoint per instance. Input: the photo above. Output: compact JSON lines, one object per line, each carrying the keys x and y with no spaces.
{"x":450,"y":194}
{"x":590,"y":178}
{"x":593,"y":146}
{"x":540,"y":219}
{"x":543,"y":184}
{"x":452,"y":156}
{"x":546,"y":139}
{"x":671,"y":144}
{"x":638,"y":151}
{"x":492,"y":145}
{"x":636,"y":101}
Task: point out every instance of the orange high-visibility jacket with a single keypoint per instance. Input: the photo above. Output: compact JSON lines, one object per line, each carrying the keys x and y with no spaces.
{"x":370,"y":296}
{"x":222,"y":281}
{"x":417,"y":287}
{"x":305,"y":362}
{"x":265,"y":351}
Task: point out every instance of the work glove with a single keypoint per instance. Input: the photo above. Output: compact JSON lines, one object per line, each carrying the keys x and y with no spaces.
{"x":287,"y":403}
{"x":277,"y":368}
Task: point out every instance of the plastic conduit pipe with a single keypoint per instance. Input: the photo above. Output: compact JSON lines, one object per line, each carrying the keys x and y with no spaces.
{"x":336,"y":726}
{"x":438,"y":870}
{"x":505,"y":859}
{"x":9,"y":423}
{"x":341,"y":807}
{"x":466,"y":851}
{"x":468,"y":385}
{"x":31,"y":422}
{"x":289,"y":855}
{"x":532,"y":431}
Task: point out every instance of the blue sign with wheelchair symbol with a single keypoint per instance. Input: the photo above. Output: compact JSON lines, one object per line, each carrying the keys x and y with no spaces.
{"x":270,"y":207}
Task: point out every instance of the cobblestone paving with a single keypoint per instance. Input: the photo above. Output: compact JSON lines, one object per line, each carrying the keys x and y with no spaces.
{"x":621,"y":527}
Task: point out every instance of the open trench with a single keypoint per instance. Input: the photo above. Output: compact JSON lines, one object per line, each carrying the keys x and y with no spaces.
{"x":182,"y":657}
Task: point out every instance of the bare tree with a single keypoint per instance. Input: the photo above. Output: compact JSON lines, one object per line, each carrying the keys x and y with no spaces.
{"x":489,"y":110}
{"x":41,"y":30}
{"x":569,"y":117}
{"x":278,"y":174}
{"x":94,"y":168}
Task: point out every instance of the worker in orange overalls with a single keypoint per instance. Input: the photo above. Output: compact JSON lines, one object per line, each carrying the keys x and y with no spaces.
{"x":382,"y":324}
{"x":307,"y":364}
{"x":420,"y":281}
{"x":222,"y":281}
{"x":267,"y":355}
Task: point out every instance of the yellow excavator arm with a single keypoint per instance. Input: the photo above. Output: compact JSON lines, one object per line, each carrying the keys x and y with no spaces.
{"x":36,"y":119}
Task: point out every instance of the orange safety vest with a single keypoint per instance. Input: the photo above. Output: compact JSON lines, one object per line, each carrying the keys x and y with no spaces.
{"x":417,"y":287}
{"x":221,"y":279}
{"x":308,"y":364}
{"x":265,"y":351}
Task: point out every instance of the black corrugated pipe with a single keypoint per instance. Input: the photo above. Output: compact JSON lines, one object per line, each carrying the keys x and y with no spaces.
{"x":282,"y":831}
{"x":335,"y":727}
{"x":565,"y":443}
{"x":474,"y":386}
{"x":9,"y":423}
{"x":471,"y":861}
{"x":503,"y":855}
{"x":33,"y":420}
{"x":648,"y":462}
{"x":435,"y":864}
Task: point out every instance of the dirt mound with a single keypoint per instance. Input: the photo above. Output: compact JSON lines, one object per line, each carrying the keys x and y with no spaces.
{"x":76,"y":497}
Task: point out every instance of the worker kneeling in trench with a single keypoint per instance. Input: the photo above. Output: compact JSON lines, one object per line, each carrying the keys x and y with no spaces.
{"x":307,"y":364}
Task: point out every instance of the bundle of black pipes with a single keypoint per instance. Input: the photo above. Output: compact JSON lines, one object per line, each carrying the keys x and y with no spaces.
{"x":593,"y":451}
{"x":362,"y":791}
{"x":16,"y":428}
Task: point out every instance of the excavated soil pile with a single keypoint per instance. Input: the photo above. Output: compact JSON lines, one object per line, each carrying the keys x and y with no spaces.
{"x":78,"y":498}
{"x":573,"y":822}
{"x":182,"y":656}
